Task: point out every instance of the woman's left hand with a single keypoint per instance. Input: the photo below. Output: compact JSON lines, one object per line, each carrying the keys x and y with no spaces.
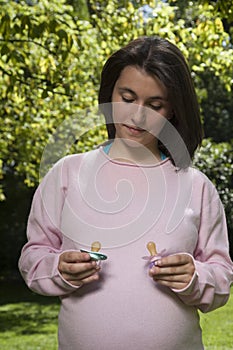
{"x":173,"y":271}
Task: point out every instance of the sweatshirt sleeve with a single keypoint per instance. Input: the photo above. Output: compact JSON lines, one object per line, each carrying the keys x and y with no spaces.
{"x":210,"y":286}
{"x":38,"y":262}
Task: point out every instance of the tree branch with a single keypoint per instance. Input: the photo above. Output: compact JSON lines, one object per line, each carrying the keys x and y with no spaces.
{"x":29,"y":41}
{"x":47,"y":82}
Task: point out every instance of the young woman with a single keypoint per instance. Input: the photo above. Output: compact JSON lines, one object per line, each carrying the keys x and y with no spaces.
{"x":138,"y":188}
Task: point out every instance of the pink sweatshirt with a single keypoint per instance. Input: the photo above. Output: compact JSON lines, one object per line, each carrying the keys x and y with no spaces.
{"x":89,"y":197}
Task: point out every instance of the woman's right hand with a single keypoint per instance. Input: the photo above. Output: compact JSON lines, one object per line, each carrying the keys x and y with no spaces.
{"x":77,"y":268}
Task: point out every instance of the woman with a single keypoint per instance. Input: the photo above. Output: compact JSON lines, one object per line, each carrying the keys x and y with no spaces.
{"x":136,"y":189}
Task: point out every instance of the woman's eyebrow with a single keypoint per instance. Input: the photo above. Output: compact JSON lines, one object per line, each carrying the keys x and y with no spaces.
{"x":154,"y":98}
{"x":151,"y":98}
{"x":125,"y":89}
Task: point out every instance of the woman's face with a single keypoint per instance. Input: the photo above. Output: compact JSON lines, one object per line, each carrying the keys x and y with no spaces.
{"x":143,"y":107}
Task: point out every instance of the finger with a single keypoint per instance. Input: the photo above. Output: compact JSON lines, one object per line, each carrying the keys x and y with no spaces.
{"x":172,"y":285}
{"x":86,"y":274}
{"x":77,"y":267}
{"x":177,"y":259}
{"x":68,"y":262}
{"x":169,"y":271}
{"x":79,"y":276}
{"x":74,"y":256}
{"x":185,"y":278}
{"x":86,"y":280}
{"x":94,"y":277}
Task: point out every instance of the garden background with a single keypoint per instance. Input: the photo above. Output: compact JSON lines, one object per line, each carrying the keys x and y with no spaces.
{"x":52,"y":53}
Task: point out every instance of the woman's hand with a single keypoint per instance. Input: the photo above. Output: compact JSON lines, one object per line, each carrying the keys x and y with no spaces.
{"x":174,"y":271}
{"x":77,"y":268}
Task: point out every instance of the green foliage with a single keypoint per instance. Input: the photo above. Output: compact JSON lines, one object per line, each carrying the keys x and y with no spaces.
{"x":217,"y":108}
{"x":14,"y":212}
{"x":215,"y":160}
{"x":223,"y":7}
{"x":80,"y":8}
{"x":46,"y":76}
{"x":51,"y":58}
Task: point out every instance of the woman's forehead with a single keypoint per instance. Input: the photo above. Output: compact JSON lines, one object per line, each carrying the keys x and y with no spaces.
{"x":136,"y":80}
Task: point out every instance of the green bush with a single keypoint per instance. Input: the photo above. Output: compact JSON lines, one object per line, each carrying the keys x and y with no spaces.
{"x":216,"y":161}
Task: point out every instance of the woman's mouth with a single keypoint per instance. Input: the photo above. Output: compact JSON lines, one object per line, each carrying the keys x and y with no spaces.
{"x":134,"y":130}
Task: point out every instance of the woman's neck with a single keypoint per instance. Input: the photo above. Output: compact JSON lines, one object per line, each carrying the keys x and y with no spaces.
{"x":132,"y":152}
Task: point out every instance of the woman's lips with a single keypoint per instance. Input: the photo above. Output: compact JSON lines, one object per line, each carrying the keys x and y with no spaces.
{"x":134,"y":130}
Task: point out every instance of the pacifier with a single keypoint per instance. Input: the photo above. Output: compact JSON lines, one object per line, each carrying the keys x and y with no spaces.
{"x":94,"y":252}
{"x":154,"y":255}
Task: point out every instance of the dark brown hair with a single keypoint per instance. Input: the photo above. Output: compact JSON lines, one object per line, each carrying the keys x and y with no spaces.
{"x":162,"y":59}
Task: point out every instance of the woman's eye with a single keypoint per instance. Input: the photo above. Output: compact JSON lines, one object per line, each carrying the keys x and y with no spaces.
{"x":128,"y":100}
{"x":156,"y":107}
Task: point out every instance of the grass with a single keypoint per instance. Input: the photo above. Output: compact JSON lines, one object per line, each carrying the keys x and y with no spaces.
{"x":217,"y":327}
{"x":28,"y":326}
{"x":29,"y":322}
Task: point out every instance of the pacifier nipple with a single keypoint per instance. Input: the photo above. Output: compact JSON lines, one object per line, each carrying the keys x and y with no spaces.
{"x":152,"y":248}
{"x":95,"y":247}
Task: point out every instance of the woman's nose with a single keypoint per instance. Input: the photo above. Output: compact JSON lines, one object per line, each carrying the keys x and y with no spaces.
{"x":139,"y":114}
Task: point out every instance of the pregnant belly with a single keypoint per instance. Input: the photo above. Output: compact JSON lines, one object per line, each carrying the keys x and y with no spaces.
{"x":125,"y":317}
